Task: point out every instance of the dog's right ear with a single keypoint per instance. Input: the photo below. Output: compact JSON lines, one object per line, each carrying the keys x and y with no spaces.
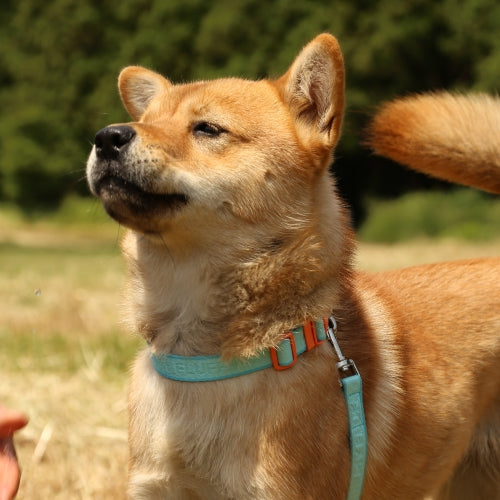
{"x":138,"y":86}
{"x":313,"y":89}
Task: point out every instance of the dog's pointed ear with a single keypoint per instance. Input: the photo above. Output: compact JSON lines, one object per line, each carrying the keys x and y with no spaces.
{"x":313,"y":88}
{"x":138,"y":87}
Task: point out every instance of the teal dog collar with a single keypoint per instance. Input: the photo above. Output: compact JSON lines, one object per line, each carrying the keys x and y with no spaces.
{"x":284,"y":356}
{"x":210,"y":368}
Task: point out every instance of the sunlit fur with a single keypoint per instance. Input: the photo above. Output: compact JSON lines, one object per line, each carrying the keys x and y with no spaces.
{"x":264,"y":243}
{"x":452,"y":136}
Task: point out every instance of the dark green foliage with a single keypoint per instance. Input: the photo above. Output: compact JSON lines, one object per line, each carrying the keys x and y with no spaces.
{"x":463,"y":214}
{"x":60,"y":59}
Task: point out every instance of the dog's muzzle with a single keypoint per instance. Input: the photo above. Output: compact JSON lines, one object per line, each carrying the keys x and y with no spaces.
{"x":125,"y":186}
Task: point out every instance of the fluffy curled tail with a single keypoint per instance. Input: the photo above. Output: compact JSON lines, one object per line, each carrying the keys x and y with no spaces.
{"x":453,"y":137}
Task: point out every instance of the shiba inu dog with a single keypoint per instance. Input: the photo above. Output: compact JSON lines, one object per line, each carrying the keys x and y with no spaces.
{"x":236,"y":237}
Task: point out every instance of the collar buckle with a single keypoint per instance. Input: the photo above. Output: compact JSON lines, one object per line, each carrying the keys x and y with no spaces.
{"x":311,"y":335}
{"x":284,"y":356}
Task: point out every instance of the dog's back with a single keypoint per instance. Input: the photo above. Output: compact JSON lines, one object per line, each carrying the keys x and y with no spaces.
{"x":454,"y":137}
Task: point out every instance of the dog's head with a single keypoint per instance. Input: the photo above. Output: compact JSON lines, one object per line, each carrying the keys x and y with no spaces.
{"x":209,"y":154}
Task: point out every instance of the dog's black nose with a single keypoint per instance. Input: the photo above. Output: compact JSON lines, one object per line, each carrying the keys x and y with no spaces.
{"x":110,"y":141}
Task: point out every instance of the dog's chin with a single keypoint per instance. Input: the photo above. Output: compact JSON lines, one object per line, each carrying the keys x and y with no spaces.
{"x":135,"y":208}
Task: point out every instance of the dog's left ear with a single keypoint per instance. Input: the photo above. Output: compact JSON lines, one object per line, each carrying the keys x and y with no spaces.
{"x":313,"y":88}
{"x":138,"y":87}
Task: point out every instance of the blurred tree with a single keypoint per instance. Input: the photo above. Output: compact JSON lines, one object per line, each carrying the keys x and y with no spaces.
{"x":60,"y":59}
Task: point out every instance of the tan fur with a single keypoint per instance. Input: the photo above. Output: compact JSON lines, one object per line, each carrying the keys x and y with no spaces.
{"x":454,"y":137}
{"x":237,"y":236}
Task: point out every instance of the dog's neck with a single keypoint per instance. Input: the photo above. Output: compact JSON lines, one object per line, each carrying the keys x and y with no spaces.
{"x":240,"y":300}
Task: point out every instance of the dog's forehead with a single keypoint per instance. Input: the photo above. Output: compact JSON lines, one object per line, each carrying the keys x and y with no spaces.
{"x":231,"y":97}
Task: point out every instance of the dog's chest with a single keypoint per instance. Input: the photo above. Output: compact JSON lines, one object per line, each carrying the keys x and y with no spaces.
{"x":202,"y":435}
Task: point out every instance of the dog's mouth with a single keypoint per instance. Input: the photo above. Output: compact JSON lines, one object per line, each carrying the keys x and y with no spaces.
{"x":132,"y":206}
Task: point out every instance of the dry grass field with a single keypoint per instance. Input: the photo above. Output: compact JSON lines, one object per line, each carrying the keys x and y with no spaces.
{"x":64,"y":354}
{"x":64,"y":357}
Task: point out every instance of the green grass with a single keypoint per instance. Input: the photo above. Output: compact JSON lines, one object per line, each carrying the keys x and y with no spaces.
{"x":462,"y":214}
{"x":79,"y":223}
{"x":109,"y":355}
{"x":77,"y":211}
{"x":61,"y":278}
{"x":74,"y":211}
{"x":61,"y":310}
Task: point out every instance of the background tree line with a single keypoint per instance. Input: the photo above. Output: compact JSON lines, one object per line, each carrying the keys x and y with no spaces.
{"x":59,"y":61}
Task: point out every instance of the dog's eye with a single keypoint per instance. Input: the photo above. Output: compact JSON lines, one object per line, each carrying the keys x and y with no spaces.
{"x":208,"y":129}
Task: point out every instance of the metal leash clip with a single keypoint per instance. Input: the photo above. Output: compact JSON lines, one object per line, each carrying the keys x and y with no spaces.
{"x":352,"y":387}
{"x":345,"y":366}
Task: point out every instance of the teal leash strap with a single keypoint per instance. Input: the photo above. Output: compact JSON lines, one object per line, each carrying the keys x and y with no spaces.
{"x":353,"y":394}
